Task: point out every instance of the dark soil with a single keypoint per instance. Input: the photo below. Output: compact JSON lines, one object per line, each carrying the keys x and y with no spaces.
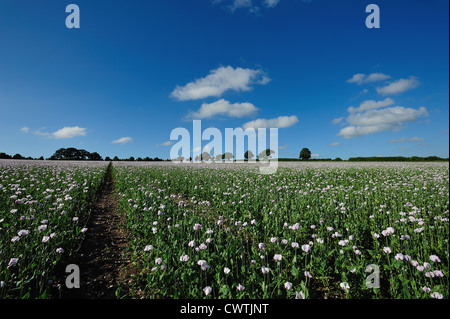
{"x":103,"y":257}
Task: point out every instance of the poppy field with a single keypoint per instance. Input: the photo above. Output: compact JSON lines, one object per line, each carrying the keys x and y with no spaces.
{"x":308,"y":231}
{"x":311,"y":230}
{"x":43,"y":212}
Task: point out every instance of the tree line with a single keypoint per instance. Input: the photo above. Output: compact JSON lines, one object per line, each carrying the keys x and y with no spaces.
{"x":398,"y":159}
{"x":73,"y":154}
{"x":19,"y":157}
{"x":205,"y":156}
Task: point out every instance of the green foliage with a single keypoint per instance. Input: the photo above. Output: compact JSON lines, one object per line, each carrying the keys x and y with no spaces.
{"x":266,"y":154}
{"x":73,"y":154}
{"x":398,"y":159}
{"x":43,"y":207}
{"x":305,"y":154}
{"x":249,"y":155}
{"x":341,"y":213}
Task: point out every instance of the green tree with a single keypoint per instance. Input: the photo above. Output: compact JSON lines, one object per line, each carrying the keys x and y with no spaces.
{"x":73,"y":154}
{"x":267,"y":153}
{"x":227,"y":156}
{"x":305,"y":154}
{"x":206,"y":156}
{"x":94,"y":157}
{"x":249,"y":155}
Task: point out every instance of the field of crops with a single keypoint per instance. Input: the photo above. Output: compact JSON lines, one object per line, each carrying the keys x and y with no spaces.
{"x":227,"y":231}
{"x":309,"y":231}
{"x":43,"y":210}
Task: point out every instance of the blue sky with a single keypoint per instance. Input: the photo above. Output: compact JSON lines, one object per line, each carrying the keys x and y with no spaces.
{"x":136,"y":70}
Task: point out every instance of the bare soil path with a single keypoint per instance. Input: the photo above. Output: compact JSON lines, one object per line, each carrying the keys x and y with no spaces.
{"x":103,"y":258}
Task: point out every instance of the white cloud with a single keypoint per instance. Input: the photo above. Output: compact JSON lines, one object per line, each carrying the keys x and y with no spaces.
{"x":399,"y":86}
{"x":122,"y":140}
{"x":391,"y":115}
{"x":337,"y":121}
{"x":335,"y":144}
{"x":219,"y":81}
{"x":373,"y":121}
{"x":371,"y":104}
{"x":68,"y":132}
{"x":354,"y":131}
{"x":404,"y":140}
{"x":253,"y":6}
{"x":167,"y":143}
{"x":315,"y":155}
{"x":361,"y":78}
{"x":357,"y":78}
{"x":241,"y":4}
{"x":376,"y":77}
{"x":271,"y":3}
{"x":207,"y":148}
{"x":39,"y":132}
{"x":282,"y":147}
{"x":279,"y":122}
{"x":223,"y":107}
{"x":25,"y":129}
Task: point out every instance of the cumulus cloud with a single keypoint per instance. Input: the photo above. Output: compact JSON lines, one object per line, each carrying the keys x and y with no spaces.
{"x":354,"y":131}
{"x":122,"y":140}
{"x":196,"y":149}
{"x":338,"y":120}
{"x":271,"y":3}
{"x":373,"y":121}
{"x":167,"y":143}
{"x":224,"y":107}
{"x":371,"y":104}
{"x":253,"y":6}
{"x":39,"y":132}
{"x":361,"y":78}
{"x":335,"y":144}
{"x":279,"y":122}
{"x":25,"y":129}
{"x":391,"y":115}
{"x":376,"y":77}
{"x":315,"y":155}
{"x":219,"y":81}
{"x":404,"y":140}
{"x":68,"y":132}
{"x":241,"y":4}
{"x":399,"y":86}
